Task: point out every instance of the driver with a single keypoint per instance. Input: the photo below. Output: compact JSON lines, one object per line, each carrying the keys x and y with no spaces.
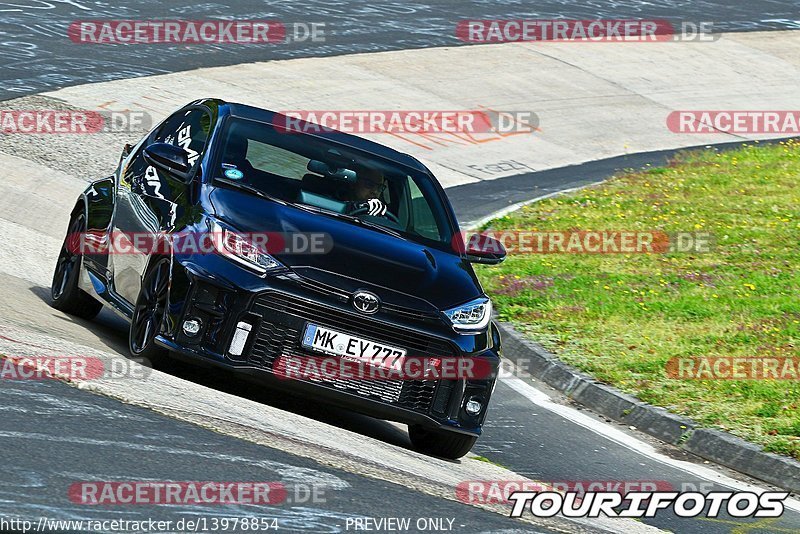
{"x":364,"y":195}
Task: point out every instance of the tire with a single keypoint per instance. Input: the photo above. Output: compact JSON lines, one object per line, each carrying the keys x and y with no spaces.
{"x":441,"y":443}
{"x":67,"y":296}
{"x":148,"y":314}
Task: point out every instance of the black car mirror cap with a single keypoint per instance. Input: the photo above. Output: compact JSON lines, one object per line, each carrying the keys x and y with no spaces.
{"x":484,"y":249}
{"x":487,"y":259}
{"x":168,"y":158}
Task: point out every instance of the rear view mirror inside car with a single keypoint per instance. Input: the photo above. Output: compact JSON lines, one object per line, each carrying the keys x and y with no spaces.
{"x":320,"y":167}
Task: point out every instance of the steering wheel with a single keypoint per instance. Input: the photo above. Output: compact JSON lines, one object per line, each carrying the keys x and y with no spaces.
{"x":389,"y":215}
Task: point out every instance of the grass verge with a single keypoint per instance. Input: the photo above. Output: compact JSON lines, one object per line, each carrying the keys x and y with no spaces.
{"x":622,"y":317}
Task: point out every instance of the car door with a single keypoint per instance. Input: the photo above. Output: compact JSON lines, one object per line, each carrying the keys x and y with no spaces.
{"x":149,"y":202}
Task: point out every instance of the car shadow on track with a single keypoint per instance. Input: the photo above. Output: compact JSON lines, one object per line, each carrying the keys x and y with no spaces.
{"x":112,"y":331}
{"x":228,"y":382}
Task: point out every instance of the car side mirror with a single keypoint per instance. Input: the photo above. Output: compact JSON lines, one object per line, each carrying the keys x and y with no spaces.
{"x":171,"y":159}
{"x":480,"y":248}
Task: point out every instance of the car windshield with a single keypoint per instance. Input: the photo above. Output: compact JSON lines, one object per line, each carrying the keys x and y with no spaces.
{"x":317,"y":174}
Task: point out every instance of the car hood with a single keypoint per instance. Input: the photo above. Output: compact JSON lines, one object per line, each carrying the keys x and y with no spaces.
{"x":400,"y":271}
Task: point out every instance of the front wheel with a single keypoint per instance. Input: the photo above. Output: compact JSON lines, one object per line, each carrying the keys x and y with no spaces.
{"x":67,"y":296}
{"x":442,"y":443}
{"x":148,"y":315}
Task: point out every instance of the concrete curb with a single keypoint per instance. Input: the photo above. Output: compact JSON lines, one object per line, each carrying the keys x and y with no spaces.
{"x":714,"y":445}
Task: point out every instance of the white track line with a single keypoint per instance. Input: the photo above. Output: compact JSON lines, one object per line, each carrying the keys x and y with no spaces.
{"x":474,"y":225}
{"x":614,"y":434}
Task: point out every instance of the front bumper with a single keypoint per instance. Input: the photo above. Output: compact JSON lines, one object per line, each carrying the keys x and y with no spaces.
{"x":280,"y":306}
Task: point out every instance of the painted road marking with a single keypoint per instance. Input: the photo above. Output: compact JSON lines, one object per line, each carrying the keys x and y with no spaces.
{"x":606,"y":431}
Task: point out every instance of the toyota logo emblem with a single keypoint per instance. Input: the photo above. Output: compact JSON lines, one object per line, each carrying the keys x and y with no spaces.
{"x":366,"y":302}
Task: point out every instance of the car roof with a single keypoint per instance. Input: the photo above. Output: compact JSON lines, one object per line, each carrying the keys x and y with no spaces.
{"x":352,"y":141}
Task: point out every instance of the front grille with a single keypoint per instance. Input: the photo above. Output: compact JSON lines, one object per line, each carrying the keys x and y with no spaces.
{"x":407,"y":314}
{"x":412,"y":315}
{"x":284,"y":317}
{"x":418,"y":345}
{"x":389,"y":391}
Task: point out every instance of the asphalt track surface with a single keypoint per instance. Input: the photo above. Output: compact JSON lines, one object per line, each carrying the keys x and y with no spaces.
{"x":94,"y":437}
{"x":53,"y":434}
{"x":36,"y":55}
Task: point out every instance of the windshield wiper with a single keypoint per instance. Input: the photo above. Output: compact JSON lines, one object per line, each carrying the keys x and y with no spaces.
{"x":351,"y":218}
{"x":250,"y":189}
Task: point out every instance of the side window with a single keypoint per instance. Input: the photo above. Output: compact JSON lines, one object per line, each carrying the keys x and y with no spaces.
{"x":422,"y":218}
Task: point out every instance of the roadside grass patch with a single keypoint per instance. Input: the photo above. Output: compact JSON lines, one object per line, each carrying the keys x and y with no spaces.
{"x":622,"y":317}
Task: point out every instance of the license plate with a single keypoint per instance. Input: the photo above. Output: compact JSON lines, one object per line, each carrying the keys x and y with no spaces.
{"x":329,"y":341}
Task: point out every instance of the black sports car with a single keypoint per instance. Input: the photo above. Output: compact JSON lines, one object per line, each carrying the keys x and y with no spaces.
{"x":311,"y":247}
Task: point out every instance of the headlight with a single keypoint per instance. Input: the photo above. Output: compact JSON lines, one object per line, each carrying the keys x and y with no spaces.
{"x":472,"y":316}
{"x":240,"y":249}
